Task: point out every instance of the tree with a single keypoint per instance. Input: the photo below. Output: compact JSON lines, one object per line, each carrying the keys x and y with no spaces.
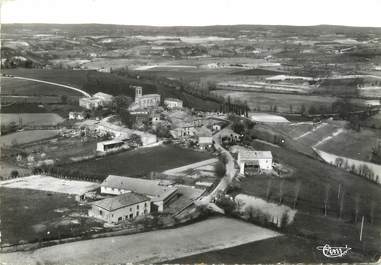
{"x":121,"y":102}
{"x":371,"y":214}
{"x":14,"y":174}
{"x":296,"y":193}
{"x":281,"y":191}
{"x":126,"y":118}
{"x":341,"y":205}
{"x":220,"y":169}
{"x":326,"y":198}
{"x":136,"y":139}
{"x":268,"y":189}
{"x":162,"y":131}
{"x":63,"y":99}
{"x":357,"y":206}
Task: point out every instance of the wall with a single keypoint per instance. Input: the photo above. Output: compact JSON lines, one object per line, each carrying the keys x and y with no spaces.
{"x":124,"y":213}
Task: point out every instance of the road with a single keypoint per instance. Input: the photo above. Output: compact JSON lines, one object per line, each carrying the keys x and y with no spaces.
{"x":231,"y":171}
{"x":51,"y":83}
{"x":151,"y":247}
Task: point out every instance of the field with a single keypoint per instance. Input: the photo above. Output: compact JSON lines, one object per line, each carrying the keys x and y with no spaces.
{"x":61,"y":149}
{"x":314,"y":176}
{"x":26,"y":137}
{"x":65,"y":77}
{"x":352,"y":144}
{"x":267,"y":118}
{"x":151,"y":247}
{"x":27,"y":215}
{"x":32,"y":119}
{"x":46,"y":183}
{"x":140,"y":161}
{"x":264,"y":101}
{"x":13,"y":86}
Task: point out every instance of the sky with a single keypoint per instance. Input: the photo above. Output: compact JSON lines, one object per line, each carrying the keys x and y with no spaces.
{"x":194,"y":12}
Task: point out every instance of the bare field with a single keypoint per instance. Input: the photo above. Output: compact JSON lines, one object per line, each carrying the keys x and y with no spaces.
{"x":151,"y":247}
{"x":46,"y":183}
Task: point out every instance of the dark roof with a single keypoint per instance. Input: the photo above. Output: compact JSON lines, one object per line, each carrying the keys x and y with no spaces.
{"x":148,"y":187}
{"x":121,"y":201}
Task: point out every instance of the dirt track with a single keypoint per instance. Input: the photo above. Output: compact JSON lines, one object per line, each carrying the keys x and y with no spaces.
{"x":151,"y":247}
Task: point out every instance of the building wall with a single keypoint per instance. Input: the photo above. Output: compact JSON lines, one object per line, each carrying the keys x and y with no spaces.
{"x":148,"y":101}
{"x":264,"y":164}
{"x":173,"y":104}
{"x":125,"y":213}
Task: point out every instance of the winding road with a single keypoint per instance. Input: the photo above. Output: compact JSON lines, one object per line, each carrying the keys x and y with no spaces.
{"x":50,"y":83}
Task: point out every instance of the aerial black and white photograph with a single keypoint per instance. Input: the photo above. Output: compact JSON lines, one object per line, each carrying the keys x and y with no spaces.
{"x":190,"y":132}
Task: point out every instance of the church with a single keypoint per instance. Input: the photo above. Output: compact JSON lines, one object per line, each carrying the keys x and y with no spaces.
{"x":144,"y":101}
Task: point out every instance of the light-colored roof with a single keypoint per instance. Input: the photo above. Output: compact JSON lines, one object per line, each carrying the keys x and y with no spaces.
{"x":102,"y":95}
{"x":121,"y":201}
{"x":252,"y":155}
{"x":143,"y":186}
{"x":173,"y":99}
{"x":110,"y":142}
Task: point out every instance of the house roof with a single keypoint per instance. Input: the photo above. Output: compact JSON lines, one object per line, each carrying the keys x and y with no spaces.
{"x":173,"y":99}
{"x":103,"y":96}
{"x":252,"y":155}
{"x":147,"y":187}
{"x":204,"y":132}
{"x":121,"y":201}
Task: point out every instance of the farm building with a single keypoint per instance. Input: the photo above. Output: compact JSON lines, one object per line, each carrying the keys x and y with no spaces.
{"x":173,"y":103}
{"x":111,"y":145}
{"x":126,"y":206}
{"x":90,"y":103}
{"x":253,"y":161}
{"x":97,"y":100}
{"x":144,"y":101}
{"x":184,"y":130}
{"x":73,"y":115}
{"x":160,"y":195}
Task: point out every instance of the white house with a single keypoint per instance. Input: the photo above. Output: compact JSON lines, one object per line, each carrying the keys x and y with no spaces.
{"x":173,"y":103}
{"x":111,"y":145}
{"x":126,"y":206}
{"x":205,"y":138}
{"x":250,"y":161}
{"x":97,"y":100}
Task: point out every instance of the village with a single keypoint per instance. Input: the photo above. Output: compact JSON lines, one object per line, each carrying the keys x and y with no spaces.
{"x":176,"y":192}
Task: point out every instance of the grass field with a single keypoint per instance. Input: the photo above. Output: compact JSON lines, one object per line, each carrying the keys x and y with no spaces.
{"x":352,"y":144}
{"x":264,"y":101}
{"x":13,"y":86}
{"x":27,"y":215}
{"x":26,"y":137}
{"x":140,"y":161}
{"x":314,"y":176}
{"x":31,"y":119}
{"x":150,"y":247}
{"x":65,"y":77}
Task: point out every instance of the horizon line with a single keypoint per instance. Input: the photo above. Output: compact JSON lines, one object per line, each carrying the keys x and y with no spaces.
{"x":198,"y":26}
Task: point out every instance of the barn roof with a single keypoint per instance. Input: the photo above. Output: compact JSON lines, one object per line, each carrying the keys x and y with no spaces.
{"x":121,"y":201}
{"x":252,"y":155}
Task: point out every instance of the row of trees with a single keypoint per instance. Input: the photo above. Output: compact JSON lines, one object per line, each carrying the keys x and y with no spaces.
{"x":362,"y":170}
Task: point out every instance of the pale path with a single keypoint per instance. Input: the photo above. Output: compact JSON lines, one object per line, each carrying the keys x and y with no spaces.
{"x":151,"y":247}
{"x":191,"y":166}
{"x":51,"y":83}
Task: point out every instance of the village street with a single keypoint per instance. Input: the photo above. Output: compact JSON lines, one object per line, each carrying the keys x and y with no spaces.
{"x":151,"y":247}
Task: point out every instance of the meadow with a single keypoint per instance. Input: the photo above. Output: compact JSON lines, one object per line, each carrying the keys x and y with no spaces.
{"x":140,"y":161}
{"x":24,"y":137}
{"x":31,"y":119}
